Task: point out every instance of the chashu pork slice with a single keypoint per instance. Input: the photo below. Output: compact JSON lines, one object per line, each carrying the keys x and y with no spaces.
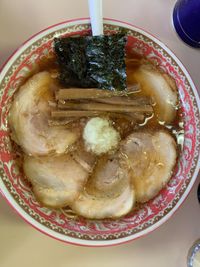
{"x":108,"y":174}
{"x":57,"y":181}
{"x":28,"y":118}
{"x":107,"y":194}
{"x":151,"y":158}
{"x":161,"y":88}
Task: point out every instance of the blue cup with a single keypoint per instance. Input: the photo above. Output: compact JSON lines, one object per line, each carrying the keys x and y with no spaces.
{"x":186,"y":19}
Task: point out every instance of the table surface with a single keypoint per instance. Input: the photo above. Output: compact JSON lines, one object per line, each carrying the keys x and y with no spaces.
{"x":20,"y":244}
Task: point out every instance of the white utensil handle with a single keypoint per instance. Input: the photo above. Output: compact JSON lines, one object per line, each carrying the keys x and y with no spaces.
{"x":95,"y":8}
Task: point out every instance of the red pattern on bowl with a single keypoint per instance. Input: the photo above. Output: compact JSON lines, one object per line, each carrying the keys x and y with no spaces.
{"x":98,"y":232}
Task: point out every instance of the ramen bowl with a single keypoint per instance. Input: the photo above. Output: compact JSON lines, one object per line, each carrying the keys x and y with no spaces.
{"x":63,"y":224}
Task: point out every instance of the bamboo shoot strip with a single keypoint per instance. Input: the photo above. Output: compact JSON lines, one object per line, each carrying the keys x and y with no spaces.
{"x":75,"y":113}
{"x":81,"y":113}
{"x":60,"y":122}
{"x":79,"y":93}
{"x":120,"y":100}
{"x":106,"y":107}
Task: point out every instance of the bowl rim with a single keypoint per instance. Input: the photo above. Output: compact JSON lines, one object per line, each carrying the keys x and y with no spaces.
{"x":95,"y":243}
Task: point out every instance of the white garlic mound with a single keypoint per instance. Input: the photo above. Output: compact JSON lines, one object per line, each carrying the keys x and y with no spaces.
{"x":100,"y":136}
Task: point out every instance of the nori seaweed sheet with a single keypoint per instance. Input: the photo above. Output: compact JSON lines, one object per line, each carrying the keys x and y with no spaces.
{"x":92,"y":61}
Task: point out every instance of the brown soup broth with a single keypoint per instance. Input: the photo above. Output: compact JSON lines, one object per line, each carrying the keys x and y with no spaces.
{"x":151,"y":123}
{"x":176,"y":128}
{"x":125,"y":127}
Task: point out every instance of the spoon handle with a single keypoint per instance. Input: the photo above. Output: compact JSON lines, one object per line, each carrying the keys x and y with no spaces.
{"x":95,"y":9}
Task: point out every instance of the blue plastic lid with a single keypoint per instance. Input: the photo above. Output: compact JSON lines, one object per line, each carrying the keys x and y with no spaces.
{"x":186,"y":19}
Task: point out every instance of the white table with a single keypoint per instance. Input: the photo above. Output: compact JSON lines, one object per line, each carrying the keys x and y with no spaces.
{"x":20,"y":244}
